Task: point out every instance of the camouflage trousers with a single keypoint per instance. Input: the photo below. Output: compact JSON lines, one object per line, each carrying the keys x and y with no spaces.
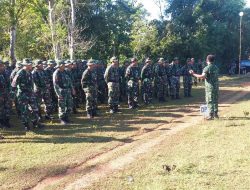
{"x":113,"y":93}
{"x":28,"y":107}
{"x":54,"y":98}
{"x":102,"y":91}
{"x":187,"y":84}
{"x":133,"y":93}
{"x":65,"y":103}
{"x":4,"y":107}
{"x":79,"y":98}
{"x":212,"y":95}
{"x":160,"y":89}
{"x":123,"y":89}
{"x":91,"y":98}
{"x":147,"y":91}
{"x":45,"y":96}
{"x":174,"y":86}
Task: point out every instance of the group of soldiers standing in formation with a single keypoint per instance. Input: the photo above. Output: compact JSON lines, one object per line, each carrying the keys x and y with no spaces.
{"x":61,"y":86}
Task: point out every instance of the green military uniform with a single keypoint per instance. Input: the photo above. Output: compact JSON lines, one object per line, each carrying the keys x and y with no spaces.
{"x":49,"y":70}
{"x":4,"y":97}
{"x":42,"y":89}
{"x":187,"y":78}
{"x":212,"y":88}
{"x":175,"y":70}
{"x":160,"y":80}
{"x":63,"y":88}
{"x":112,"y":77}
{"x":26,"y":98}
{"x":133,"y":76}
{"x":123,"y":80}
{"x":147,"y":76}
{"x":89,"y":85}
{"x":102,"y":87}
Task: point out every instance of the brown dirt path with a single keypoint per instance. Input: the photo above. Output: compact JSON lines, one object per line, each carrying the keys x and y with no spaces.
{"x":137,"y":148}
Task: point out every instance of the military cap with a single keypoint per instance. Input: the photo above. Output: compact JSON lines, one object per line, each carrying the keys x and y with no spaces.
{"x":188,"y":59}
{"x":38,"y":62}
{"x":74,"y":62}
{"x":51,"y":62}
{"x":19,"y":64}
{"x":26,"y":61}
{"x":113,"y":59}
{"x":91,"y":62}
{"x":176,"y":58}
{"x":59,"y":63}
{"x":134,"y":59}
{"x":68,"y":62}
{"x":161,"y":60}
{"x":148,"y":60}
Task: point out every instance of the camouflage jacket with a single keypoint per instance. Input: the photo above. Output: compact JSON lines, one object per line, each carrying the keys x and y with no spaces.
{"x":147,"y":72}
{"x":133,"y":74}
{"x":62,"y":82}
{"x":112,"y":74}
{"x":89,"y":79}
{"x":23,"y":81}
{"x":41,"y":81}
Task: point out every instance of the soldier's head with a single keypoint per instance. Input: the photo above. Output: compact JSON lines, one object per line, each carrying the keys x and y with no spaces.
{"x":161,"y":61}
{"x":210,"y":59}
{"x":2,"y":66}
{"x":126,"y":63}
{"x":38,"y":64}
{"x":188,"y":61}
{"x":192,"y":60}
{"x":91,"y":64}
{"x":176,"y":60}
{"x":44,"y":64}
{"x":74,"y":64}
{"x":27,"y":64}
{"x":148,"y":61}
{"x":134,"y":61}
{"x":51,"y":63}
{"x":68,"y":64}
{"x":114,"y":61}
{"x":60,"y":64}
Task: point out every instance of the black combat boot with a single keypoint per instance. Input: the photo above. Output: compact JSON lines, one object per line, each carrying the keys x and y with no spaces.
{"x":216,"y":116}
{"x":26,"y":127}
{"x":111,"y":109}
{"x":63,"y":121}
{"x":7,"y":123}
{"x":89,"y":114}
{"x":37,"y":125}
{"x":116,"y":108}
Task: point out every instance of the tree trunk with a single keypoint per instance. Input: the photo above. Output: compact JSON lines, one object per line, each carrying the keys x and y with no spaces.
{"x":71,"y":30}
{"x":12,"y":32}
{"x":55,"y":44}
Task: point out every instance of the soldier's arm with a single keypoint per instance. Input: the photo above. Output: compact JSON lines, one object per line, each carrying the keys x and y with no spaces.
{"x":202,"y":76}
{"x":57,"y":88}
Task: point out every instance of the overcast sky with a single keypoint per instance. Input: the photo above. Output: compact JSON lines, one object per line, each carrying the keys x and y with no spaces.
{"x":154,"y":10}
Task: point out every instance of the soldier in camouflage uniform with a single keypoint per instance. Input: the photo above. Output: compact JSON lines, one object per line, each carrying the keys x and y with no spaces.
{"x":166,"y":78}
{"x":49,"y":70}
{"x":13,"y":93}
{"x":77,"y":85}
{"x":210,"y":74}
{"x":147,"y":76}
{"x":112,"y":77}
{"x":89,"y":85}
{"x":123,"y":80}
{"x":175,"y":79}
{"x":41,"y":89}
{"x":187,"y":78}
{"x":26,"y":98}
{"x":4,"y":98}
{"x":64,"y":90}
{"x":133,"y":76}
{"x":160,"y":79}
{"x":102,"y":86}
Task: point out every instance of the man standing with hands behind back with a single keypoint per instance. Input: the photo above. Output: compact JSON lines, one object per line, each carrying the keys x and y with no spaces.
{"x":210,"y":74}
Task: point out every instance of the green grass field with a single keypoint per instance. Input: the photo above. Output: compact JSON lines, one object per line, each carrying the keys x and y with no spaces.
{"x":27,"y":158}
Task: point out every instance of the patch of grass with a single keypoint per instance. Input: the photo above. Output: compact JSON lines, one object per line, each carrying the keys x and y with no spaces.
{"x":213,"y":155}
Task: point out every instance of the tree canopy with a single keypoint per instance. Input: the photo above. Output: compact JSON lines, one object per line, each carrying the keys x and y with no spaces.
{"x":103,"y":28}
